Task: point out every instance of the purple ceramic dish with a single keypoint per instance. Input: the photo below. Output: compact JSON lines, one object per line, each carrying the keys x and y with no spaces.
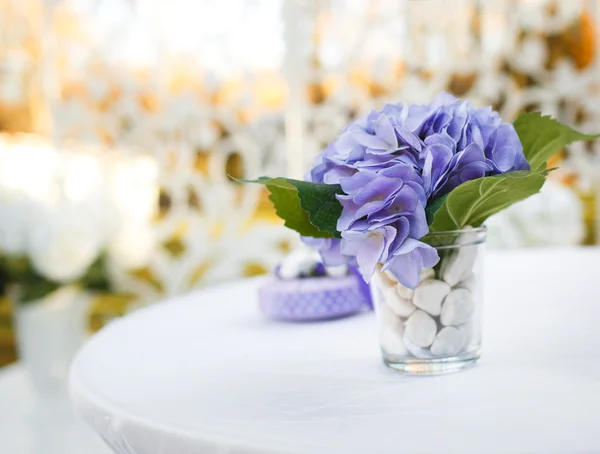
{"x":312,"y":299}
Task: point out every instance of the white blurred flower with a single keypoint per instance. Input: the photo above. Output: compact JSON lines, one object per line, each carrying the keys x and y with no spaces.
{"x":81,"y":175}
{"x":65,"y":207}
{"x":132,"y":247}
{"x":299,"y":263}
{"x":503,"y":233}
{"x":81,"y":183}
{"x":134,"y":187}
{"x":554,"y":217}
{"x":63,"y":242}
{"x":28,"y":168}
{"x":15,"y":212}
{"x":22,"y":187}
{"x":134,"y":192}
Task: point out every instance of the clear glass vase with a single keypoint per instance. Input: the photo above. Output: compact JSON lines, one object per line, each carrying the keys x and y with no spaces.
{"x":435,"y":328}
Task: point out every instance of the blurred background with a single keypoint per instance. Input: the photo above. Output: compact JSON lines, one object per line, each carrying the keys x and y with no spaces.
{"x":121,"y":120}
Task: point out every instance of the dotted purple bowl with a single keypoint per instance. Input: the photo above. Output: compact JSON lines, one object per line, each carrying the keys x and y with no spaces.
{"x":312,"y":299}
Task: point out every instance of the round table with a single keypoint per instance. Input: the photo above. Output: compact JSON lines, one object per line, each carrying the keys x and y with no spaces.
{"x":206,"y":373}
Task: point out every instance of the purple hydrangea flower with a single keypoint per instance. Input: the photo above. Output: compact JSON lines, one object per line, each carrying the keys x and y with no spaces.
{"x":462,"y":143}
{"x":391,"y":163}
{"x":382,"y":211}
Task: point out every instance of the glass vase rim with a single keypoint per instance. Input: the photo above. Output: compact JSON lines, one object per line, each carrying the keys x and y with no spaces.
{"x":480,"y":229}
{"x":454,"y":239}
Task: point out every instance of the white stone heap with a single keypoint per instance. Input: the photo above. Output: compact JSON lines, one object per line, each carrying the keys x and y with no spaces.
{"x":436,"y":318}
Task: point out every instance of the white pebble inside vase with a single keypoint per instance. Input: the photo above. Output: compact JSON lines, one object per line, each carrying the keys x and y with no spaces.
{"x":434,"y":328}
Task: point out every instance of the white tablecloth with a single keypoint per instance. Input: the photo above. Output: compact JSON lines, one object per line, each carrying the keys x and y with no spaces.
{"x":206,"y":373}
{"x":30,"y":424}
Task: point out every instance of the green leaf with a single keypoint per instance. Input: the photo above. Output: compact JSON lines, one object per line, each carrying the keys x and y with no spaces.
{"x":311,"y":209}
{"x":96,"y":277}
{"x":321,"y":204}
{"x":433,"y":206}
{"x":543,"y":136}
{"x":33,"y":291}
{"x":473,"y":202}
